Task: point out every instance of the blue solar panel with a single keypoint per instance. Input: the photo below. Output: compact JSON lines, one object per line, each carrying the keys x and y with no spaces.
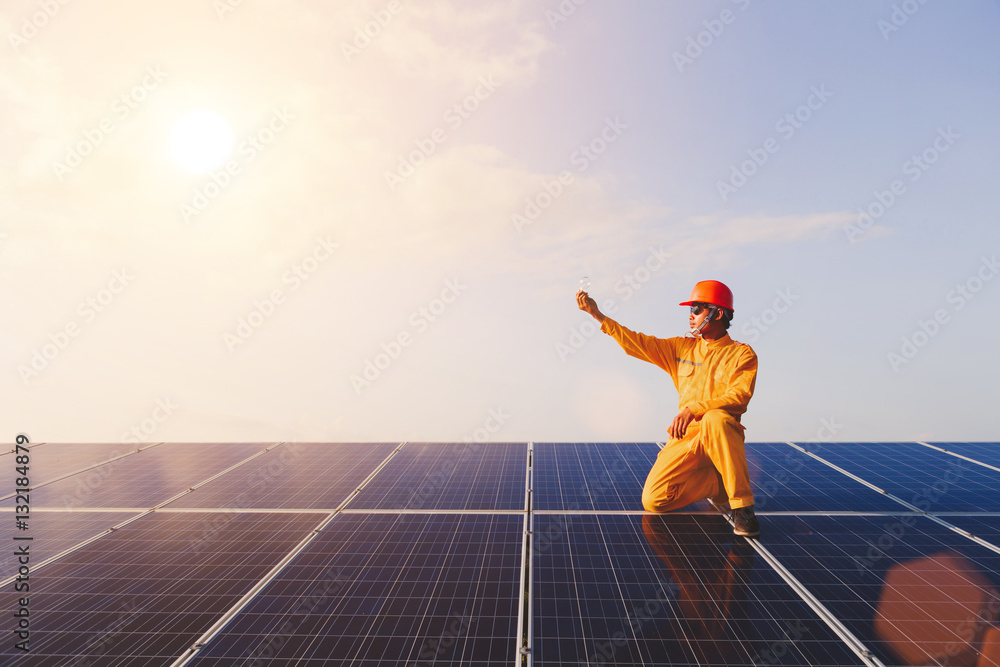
{"x":385,"y":589}
{"x":589,"y":476}
{"x":453,"y":476}
{"x":983,"y":526}
{"x":293,"y":475}
{"x":787,"y":480}
{"x":984,"y":452}
{"x":667,"y":589}
{"x":440,"y":582}
{"x":908,"y":588}
{"x":144,"y":593}
{"x":54,"y":532}
{"x":931,"y":480}
{"x":144,"y":479}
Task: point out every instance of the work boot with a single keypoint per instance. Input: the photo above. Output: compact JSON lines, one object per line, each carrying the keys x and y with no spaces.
{"x":745,"y":522}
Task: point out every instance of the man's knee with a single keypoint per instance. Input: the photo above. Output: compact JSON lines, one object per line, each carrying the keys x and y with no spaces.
{"x":718,"y":418}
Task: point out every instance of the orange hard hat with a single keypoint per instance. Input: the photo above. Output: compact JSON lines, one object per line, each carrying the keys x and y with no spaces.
{"x":711,"y":291}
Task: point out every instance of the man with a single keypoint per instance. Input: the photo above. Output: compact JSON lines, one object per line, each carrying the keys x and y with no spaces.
{"x":715,"y":378}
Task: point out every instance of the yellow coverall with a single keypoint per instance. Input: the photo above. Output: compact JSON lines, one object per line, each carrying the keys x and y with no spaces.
{"x":715,"y":380}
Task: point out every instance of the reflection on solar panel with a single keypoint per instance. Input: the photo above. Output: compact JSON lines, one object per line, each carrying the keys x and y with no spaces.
{"x":391,"y":590}
{"x":504,"y":554}
{"x":903,"y":584}
{"x":293,"y":475}
{"x":455,"y":476}
{"x":146,"y":591}
{"x":931,"y":480}
{"x":656,"y":590}
{"x":587,"y":476}
{"x":787,"y":480}
{"x":984,"y":452}
{"x":54,"y":532}
{"x":145,"y":479}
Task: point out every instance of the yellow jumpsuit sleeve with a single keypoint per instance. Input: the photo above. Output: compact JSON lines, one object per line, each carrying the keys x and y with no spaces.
{"x":658,"y":351}
{"x":742,"y":376}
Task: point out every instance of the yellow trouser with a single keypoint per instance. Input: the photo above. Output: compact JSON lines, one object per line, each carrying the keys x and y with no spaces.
{"x":708,"y":462}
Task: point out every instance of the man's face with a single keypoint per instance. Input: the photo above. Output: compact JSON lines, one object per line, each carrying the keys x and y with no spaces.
{"x":696,"y":320}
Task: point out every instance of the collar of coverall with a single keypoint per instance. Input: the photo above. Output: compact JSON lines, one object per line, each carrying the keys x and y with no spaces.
{"x":718,"y":342}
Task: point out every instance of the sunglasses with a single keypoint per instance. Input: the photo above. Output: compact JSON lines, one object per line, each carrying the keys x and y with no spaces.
{"x":698,"y":309}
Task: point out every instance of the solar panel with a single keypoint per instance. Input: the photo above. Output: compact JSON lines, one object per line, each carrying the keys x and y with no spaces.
{"x":454,"y":476}
{"x":53,"y":460}
{"x":144,"y":593}
{"x":906,"y":586}
{"x":142,"y":480}
{"x":388,"y":589}
{"x":984,"y":452}
{"x":931,"y":480}
{"x":669,"y":589}
{"x":589,"y":476}
{"x":293,"y":475}
{"x":54,"y":532}
{"x":785,"y":479}
{"x":424,"y":564}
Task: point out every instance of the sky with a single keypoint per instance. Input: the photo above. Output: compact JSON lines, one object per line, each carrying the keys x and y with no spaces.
{"x":390,"y":246}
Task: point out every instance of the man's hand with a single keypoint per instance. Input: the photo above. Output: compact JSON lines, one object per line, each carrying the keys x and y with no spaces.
{"x":588,"y":305}
{"x":681,"y":423}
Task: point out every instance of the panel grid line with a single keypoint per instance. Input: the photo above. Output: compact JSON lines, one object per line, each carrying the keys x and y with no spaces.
{"x":825,"y":614}
{"x":225,"y":619}
{"x":961,"y":456}
{"x":77,"y":472}
{"x":914,"y":508}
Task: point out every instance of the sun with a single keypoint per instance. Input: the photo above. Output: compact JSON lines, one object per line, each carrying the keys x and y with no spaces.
{"x":201,"y":141}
